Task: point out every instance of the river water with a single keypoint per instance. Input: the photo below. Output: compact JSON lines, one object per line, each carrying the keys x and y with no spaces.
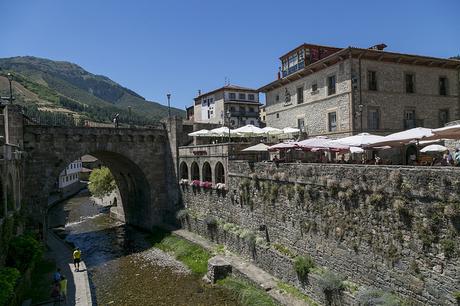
{"x":123,"y":267}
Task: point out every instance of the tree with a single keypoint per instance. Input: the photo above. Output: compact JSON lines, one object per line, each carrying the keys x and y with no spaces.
{"x":101,"y":182}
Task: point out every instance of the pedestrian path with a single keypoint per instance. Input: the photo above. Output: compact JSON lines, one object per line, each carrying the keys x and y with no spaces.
{"x":250,"y":271}
{"x":78,"y":290}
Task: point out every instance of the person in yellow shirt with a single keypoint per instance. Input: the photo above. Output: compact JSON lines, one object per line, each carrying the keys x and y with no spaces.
{"x":76,"y":259}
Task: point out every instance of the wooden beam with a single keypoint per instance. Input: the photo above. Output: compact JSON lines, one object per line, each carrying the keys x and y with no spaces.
{"x":380,"y":57}
{"x":311,"y":70}
{"x":325,"y":65}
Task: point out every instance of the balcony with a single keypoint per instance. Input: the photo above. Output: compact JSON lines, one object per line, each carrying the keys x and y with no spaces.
{"x":230,"y":150}
{"x":244,"y":114}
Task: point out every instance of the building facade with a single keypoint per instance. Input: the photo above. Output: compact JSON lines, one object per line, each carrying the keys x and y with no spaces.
{"x":339,"y":92}
{"x":70,"y":175}
{"x":229,"y":105}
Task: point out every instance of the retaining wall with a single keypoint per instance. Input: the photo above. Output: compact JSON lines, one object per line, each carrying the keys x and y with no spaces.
{"x":396,"y":228}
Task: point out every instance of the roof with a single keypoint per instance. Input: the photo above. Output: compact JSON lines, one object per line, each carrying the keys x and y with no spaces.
{"x":305,"y":45}
{"x":228,"y":87}
{"x":369,"y":54}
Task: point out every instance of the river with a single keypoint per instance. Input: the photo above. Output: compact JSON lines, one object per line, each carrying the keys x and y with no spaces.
{"x":123,"y":267}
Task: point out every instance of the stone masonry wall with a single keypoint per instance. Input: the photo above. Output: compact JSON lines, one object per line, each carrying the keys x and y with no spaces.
{"x":396,"y":228}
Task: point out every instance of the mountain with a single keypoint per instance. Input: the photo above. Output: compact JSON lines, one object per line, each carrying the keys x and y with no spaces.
{"x":44,"y":85}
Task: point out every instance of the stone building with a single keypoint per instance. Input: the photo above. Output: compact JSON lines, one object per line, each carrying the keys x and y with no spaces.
{"x":229,"y":104}
{"x":339,"y":92}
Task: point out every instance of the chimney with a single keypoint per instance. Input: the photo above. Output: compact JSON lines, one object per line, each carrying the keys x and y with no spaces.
{"x":378,"y":47}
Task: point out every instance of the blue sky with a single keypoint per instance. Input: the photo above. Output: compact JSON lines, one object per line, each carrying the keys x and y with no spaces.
{"x":154,"y":47}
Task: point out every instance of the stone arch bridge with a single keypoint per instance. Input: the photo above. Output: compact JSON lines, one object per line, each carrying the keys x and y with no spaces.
{"x":141,"y":161}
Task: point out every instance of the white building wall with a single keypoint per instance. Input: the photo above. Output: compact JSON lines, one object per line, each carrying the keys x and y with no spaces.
{"x":70,"y":174}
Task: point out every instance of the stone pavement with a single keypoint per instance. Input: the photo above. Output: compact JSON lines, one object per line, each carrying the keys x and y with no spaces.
{"x":247,"y":270}
{"x":78,"y":290}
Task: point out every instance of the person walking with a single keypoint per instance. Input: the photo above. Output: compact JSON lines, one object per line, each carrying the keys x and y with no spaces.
{"x":63,"y":285}
{"x":56,"y":294}
{"x":76,"y":259}
{"x":57,"y":275}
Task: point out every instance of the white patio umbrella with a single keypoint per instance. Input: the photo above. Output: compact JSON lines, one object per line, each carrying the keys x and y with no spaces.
{"x":261,"y":147}
{"x":199,"y":133}
{"x":404,"y":137}
{"x":359,"y":140}
{"x":289,"y":130}
{"x":271,"y":130}
{"x":282,"y":146}
{"x":249,"y":130}
{"x":356,"y":150}
{"x":222,"y":132}
{"x":433,"y":148}
{"x":450,"y":132}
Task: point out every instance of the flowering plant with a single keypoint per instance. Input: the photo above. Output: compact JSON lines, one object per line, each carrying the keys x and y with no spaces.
{"x":206,"y":185}
{"x":195,"y":183}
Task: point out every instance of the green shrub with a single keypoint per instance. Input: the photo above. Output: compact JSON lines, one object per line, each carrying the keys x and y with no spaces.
{"x":303,"y":265}
{"x":23,"y":251}
{"x":331,"y":283}
{"x":374,"y":297}
{"x":283,"y":250}
{"x":448,"y":247}
{"x":456,"y":295}
{"x":8,"y":280}
{"x":182,"y":214}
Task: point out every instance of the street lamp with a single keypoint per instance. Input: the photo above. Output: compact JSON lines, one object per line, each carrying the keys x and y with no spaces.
{"x":360,"y":110}
{"x":168,"y":95}
{"x":228,"y":118}
{"x":10,"y":79}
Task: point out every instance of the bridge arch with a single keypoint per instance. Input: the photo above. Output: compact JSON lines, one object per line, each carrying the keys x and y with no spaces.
{"x":207,"y":172}
{"x":195,"y":171}
{"x":219,"y":173}
{"x":141,"y":169}
{"x":183,"y":168}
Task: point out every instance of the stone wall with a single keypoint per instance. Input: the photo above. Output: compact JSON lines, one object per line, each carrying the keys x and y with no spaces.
{"x":396,"y":228}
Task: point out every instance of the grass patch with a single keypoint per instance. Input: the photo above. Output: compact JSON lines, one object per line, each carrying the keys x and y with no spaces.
{"x":247,"y":293}
{"x":297,"y":293}
{"x":193,"y":256}
{"x":41,"y":280}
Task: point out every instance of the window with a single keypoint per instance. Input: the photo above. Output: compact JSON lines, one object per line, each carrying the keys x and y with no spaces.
{"x":232,"y":96}
{"x":409,"y":119}
{"x":443,"y":117}
{"x":301,"y":124}
{"x":277,"y":98}
{"x":251,"y":109}
{"x":332,"y":121}
{"x":443,"y":86}
{"x":232,"y":122}
{"x":232,"y":108}
{"x":251,"y":97}
{"x":277,"y":115}
{"x":373,"y":119}
{"x":331,"y":85}
{"x":242,"y":96}
{"x":300,"y":95}
{"x":372,"y":80}
{"x":409,"y":78}
{"x":252,"y":122}
{"x":209,"y":115}
{"x":314,"y":86}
